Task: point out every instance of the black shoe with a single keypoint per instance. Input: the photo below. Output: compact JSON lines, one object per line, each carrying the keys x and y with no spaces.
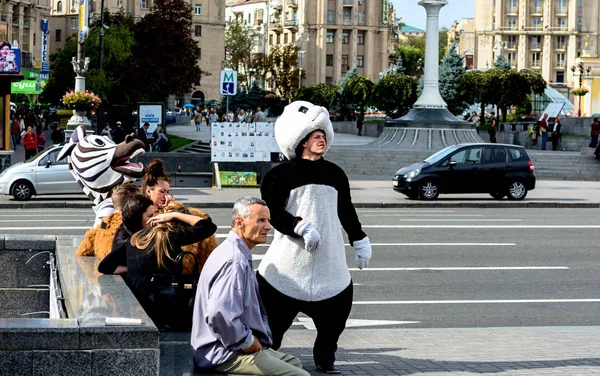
{"x":328,"y":368}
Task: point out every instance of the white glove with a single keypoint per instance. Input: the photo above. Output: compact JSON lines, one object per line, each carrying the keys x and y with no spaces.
{"x":309,"y":233}
{"x":362,"y":252}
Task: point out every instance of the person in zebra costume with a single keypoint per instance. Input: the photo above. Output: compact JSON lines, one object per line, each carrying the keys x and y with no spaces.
{"x":99,"y":165}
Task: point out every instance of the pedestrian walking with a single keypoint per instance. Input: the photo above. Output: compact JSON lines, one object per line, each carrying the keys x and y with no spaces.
{"x":41,"y":138}
{"x":198,"y":120}
{"x":213,"y":117}
{"x":556,"y":134}
{"x":259,"y":116}
{"x":58,"y":135}
{"x":304,"y":269}
{"x":30,"y":142}
{"x":15,"y":131}
{"x":594,"y":133}
{"x":493,"y":128}
{"x":474,"y":119}
{"x":359,"y":122}
{"x":544,"y":130}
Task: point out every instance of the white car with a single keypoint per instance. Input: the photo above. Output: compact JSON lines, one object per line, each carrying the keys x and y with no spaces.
{"x":41,"y":174}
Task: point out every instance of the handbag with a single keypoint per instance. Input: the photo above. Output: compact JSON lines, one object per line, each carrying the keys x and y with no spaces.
{"x":174,"y":296}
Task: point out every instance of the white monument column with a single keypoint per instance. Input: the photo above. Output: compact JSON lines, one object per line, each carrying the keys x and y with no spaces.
{"x":430,"y":97}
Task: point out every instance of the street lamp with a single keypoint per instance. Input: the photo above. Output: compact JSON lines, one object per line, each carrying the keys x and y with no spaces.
{"x":301,"y":53}
{"x":581,"y":70}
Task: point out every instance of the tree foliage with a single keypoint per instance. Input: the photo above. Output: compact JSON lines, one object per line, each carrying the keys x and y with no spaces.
{"x":164,"y":58}
{"x":413,"y":59}
{"x":502,"y":63}
{"x":395,"y":94}
{"x":282,"y":66}
{"x":451,"y":70}
{"x":320,"y":94}
{"x":238,"y":50}
{"x":357,"y":91}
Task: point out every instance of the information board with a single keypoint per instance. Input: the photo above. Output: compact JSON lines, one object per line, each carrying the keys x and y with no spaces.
{"x":151,"y":113}
{"x":242,"y":142}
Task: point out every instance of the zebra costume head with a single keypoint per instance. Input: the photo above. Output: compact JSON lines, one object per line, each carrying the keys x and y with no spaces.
{"x":98,"y":164}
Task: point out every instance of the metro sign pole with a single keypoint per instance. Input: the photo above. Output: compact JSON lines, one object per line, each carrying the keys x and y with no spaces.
{"x":228,"y":85}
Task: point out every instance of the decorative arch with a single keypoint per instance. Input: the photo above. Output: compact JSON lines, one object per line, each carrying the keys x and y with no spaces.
{"x":198,"y":97}
{"x":59,"y":7}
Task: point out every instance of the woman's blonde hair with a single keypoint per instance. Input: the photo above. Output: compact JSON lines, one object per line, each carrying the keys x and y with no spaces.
{"x":156,"y":238}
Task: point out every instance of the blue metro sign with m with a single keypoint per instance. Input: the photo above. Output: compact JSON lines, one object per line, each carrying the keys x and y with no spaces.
{"x":228,"y":82}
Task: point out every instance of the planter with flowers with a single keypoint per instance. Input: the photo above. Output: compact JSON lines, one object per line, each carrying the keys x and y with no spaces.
{"x":80,"y":102}
{"x":580,"y":92}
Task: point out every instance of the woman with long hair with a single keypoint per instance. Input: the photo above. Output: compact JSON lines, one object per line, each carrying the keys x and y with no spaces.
{"x":155,"y":249}
{"x":156,"y":184}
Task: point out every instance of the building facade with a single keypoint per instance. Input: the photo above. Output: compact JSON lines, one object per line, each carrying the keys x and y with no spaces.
{"x":545,"y":35}
{"x":333,"y":36}
{"x":20,"y":21}
{"x":208,"y":30}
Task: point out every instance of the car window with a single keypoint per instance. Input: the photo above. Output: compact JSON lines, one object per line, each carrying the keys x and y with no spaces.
{"x":52,"y":156}
{"x":469,"y":156}
{"x":438,"y":156}
{"x":494,"y":154}
{"x":518,"y":155}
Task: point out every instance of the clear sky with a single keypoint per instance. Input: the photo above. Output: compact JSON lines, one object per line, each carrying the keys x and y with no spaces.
{"x":414,"y":15}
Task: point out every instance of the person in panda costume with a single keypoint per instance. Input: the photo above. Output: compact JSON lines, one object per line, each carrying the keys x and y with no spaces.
{"x":305,"y":269}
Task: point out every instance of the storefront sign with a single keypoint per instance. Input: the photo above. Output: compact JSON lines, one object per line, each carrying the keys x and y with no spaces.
{"x":45,"y":31}
{"x":26,"y":87}
{"x":151,"y":113}
{"x":10,"y":58}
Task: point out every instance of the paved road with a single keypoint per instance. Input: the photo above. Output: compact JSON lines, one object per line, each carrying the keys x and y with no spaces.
{"x":443,"y":268}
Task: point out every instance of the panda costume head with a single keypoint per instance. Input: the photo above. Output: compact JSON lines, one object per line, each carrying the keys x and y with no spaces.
{"x":299,"y":119}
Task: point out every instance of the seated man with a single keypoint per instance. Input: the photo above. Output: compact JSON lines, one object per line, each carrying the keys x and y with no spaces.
{"x":230,"y":333}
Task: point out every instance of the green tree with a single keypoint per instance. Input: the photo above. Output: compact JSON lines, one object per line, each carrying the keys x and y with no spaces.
{"x":443,"y":42}
{"x":502,"y":63}
{"x":320,"y":94}
{"x":471,"y":87}
{"x":394,"y":94}
{"x":452,"y":68}
{"x":238,"y":46}
{"x":282,"y":67}
{"x":357,"y":91}
{"x":412,"y":58}
{"x":349,"y":74}
{"x":165,"y":57}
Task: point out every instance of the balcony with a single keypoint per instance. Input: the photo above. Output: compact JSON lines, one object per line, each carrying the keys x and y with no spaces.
{"x":536,"y":10}
{"x":292,"y":3}
{"x":508,"y":28}
{"x":562,"y":11}
{"x":348,"y":3}
{"x":258,"y":22}
{"x":560,"y":46}
{"x":535,"y":46}
{"x":276,"y":4}
{"x":512,"y":11}
{"x":560,"y":64}
{"x":291,"y":23}
{"x":511,"y":45}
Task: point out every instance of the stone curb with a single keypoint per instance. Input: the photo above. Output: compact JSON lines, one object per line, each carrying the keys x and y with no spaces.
{"x":228,"y":205}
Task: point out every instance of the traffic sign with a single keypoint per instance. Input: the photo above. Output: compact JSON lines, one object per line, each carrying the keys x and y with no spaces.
{"x":228,"y":83}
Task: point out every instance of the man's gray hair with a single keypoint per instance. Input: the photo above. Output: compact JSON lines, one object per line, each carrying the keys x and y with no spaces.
{"x":242,"y":207}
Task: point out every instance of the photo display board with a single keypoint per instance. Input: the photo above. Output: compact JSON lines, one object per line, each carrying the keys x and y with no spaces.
{"x":242,"y":142}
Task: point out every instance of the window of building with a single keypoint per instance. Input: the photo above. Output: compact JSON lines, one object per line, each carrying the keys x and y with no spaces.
{"x":511,"y":41}
{"x":560,"y":60}
{"x":360,"y":37}
{"x":360,"y":18}
{"x":330,"y":16}
{"x":293,"y":38}
{"x":537,"y":6}
{"x":285,"y":38}
{"x":329,"y":80}
{"x":329,"y":60}
{"x":278,"y":39}
{"x":73,"y":23}
{"x":120,"y":3}
{"x":346,"y":17}
{"x":360,"y":61}
{"x":561,"y":6}
{"x":59,"y":6}
{"x":535,"y":59}
{"x":513,"y":6}
{"x":561,"y":22}
{"x":345,"y":37}
{"x":197,"y":30}
{"x":199,"y":53}
{"x":511,"y":57}
{"x":536,"y":42}
{"x":271,"y":40}
{"x":249,"y":18}
{"x":198,"y":10}
{"x":330,"y":37}
{"x":143,"y":4}
{"x":560,"y":77}
{"x":536,"y":22}
{"x":561,"y":42}
{"x":512,"y":23}
{"x":345,"y":63}
{"x":58,"y":35}
{"x":579,"y":22}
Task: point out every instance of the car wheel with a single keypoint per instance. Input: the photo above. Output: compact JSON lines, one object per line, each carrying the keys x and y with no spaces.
{"x":22,"y":190}
{"x":516,"y":190}
{"x":429,"y":190}
{"x":497,"y":195}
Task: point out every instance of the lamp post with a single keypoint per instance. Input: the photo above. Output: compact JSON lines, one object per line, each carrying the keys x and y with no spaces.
{"x":301,"y":53}
{"x":581,"y":68}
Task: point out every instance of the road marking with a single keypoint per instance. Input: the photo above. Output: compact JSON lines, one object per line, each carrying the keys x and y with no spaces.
{"x":513,"y":301}
{"x":422,"y":215}
{"x":482,"y":226}
{"x":466,"y":268}
{"x":43,"y":220}
{"x":308,"y":323}
{"x":458,"y":219}
{"x":441,"y":244}
{"x":90,"y":215}
{"x":45,"y":228}
{"x":405,"y":211}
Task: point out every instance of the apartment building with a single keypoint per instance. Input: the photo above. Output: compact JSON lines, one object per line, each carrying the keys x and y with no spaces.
{"x":333,"y":36}
{"x":544,"y":35}
{"x":208,"y":30}
{"x":21,"y":21}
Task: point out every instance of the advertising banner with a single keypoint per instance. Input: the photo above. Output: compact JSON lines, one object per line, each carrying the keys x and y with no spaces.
{"x":151,"y":113}
{"x":45,"y":31}
{"x":26,"y":87}
{"x":10,"y":58}
{"x":242,"y":142}
{"x":238,"y":178}
{"x":83,"y":20}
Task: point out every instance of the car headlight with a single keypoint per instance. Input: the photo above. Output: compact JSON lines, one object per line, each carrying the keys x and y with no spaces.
{"x":412,"y":174}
